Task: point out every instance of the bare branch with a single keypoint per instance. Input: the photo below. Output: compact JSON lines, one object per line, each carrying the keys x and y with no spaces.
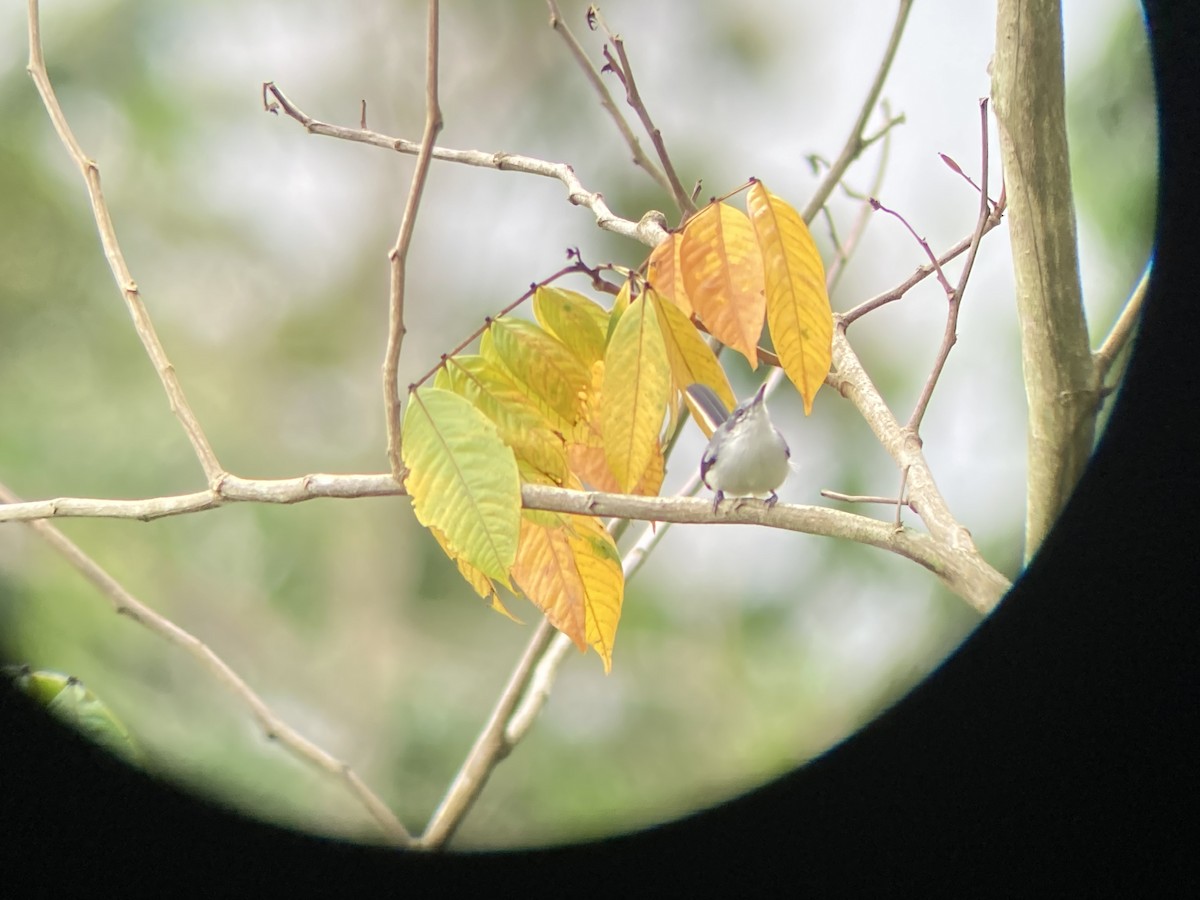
{"x":229,"y":489}
{"x":639,"y":157}
{"x":1122,"y":329}
{"x":856,"y":143}
{"x":116,"y":259}
{"x":845,"y":250}
{"x":810,"y":520}
{"x":921,"y":273}
{"x":125,"y":604}
{"x":490,"y":747}
{"x":950,"y":333}
{"x":950,"y":554}
{"x":957,"y":550}
{"x":648,"y":230}
{"x":398,"y":256}
{"x":860,"y":498}
{"x":933,"y":260}
{"x":624,"y":71}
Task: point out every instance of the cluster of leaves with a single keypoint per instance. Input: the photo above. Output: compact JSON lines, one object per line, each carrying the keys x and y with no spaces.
{"x":588,"y":397}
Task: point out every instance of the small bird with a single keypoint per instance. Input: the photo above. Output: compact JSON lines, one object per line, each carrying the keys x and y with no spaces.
{"x":746,"y":455}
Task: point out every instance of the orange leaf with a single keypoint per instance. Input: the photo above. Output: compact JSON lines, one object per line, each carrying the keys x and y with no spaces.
{"x":723,"y":273}
{"x":666,"y":274}
{"x":545,"y":572}
{"x":569,"y":568}
{"x":798,"y":311}
{"x":591,"y":465}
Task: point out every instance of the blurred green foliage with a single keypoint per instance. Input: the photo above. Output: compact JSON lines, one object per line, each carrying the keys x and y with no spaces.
{"x":260,"y":253}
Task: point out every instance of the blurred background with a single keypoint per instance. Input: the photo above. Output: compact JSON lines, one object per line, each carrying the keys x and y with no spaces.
{"x":261,"y":253}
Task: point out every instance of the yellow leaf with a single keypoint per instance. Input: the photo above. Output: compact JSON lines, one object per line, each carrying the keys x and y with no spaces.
{"x":542,"y":366}
{"x":637,"y":384}
{"x":691,"y":359}
{"x":599,"y":567}
{"x":620,"y":304}
{"x":568,"y":567}
{"x":651,"y":481}
{"x":723,"y":273}
{"x":798,"y":311}
{"x":480,"y":583}
{"x":462,"y":479}
{"x":587,"y":429}
{"x":575,"y":320}
{"x":491,"y":390}
{"x":585,"y":449}
{"x":666,"y":274}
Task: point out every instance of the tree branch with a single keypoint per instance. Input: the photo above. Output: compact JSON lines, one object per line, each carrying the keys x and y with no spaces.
{"x":1060,"y":377}
{"x":649,"y":230}
{"x":855,"y":143}
{"x":1122,"y":329}
{"x":957,"y":549}
{"x":922,"y":272}
{"x":116,"y":259}
{"x":979,"y":593}
{"x":398,"y":255}
{"x":639,"y":156}
{"x":624,"y":71}
{"x":954,"y":304}
{"x":125,"y":604}
{"x":229,"y":489}
{"x":489,"y":749}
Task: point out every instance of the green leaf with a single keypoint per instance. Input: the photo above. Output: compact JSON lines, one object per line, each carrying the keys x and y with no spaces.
{"x":463,"y":480}
{"x":490,"y":389}
{"x":575,"y":320}
{"x":542,"y":366}
{"x":68,"y":698}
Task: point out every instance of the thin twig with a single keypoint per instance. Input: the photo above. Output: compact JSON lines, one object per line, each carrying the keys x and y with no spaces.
{"x":624,"y":71}
{"x":834,"y":272}
{"x":950,"y":333}
{"x":648,"y":230}
{"x":398,"y":255}
{"x":1122,"y":329}
{"x":578,"y":266}
{"x":855,"y":143}
{"x":125,"y":604}
{"x":922,"y":272}
{"x":953,"y":166}
{"x":116,"y":259}
{"x":859,"y":498}
{"x":639,"y":156}
{"x":933,"y":260}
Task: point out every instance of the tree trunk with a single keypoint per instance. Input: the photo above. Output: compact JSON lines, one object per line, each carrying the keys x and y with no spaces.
{"x":1060,"y":381}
